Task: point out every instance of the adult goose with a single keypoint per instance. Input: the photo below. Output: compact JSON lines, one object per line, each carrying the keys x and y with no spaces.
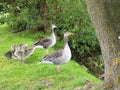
{"x":47,"y":42}
{"x":61,"y":56}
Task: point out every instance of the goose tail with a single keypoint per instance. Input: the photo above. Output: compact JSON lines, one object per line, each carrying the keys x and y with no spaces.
{"x":45,"y":61}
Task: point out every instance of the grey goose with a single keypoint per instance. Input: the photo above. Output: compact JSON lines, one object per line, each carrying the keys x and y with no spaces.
{"x":47,"y":42}
{"x":61,"y":56}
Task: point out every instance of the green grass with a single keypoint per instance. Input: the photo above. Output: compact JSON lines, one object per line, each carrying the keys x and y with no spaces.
{"x":34,"y":76}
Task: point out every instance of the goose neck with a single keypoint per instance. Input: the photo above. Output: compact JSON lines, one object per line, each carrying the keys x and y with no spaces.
{"x":66,"y":42}
{"x":53,"y":34}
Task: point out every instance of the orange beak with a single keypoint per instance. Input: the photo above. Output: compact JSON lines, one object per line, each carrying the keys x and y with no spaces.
{"x":70,"y":33}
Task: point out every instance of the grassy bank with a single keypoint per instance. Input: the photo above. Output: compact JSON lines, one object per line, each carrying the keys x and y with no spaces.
{"x":34,"y":76}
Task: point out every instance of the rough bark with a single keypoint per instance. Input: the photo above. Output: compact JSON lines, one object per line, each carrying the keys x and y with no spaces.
{"x":105,"y":16}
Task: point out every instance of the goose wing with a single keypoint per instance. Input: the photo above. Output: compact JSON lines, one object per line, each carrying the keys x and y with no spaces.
{"x":53,"y":57}
{"x":44,"y":42}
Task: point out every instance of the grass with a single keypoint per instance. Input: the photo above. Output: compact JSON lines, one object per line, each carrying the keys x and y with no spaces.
{"x":34,"y":76}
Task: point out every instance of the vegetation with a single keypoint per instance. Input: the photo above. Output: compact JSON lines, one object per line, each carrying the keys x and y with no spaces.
{"x":34,"y":76}
{"x":23,"y":21}
{"x":68,"y":15}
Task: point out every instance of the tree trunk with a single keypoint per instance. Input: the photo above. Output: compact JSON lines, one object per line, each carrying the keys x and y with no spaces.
{"x":105,"y":16}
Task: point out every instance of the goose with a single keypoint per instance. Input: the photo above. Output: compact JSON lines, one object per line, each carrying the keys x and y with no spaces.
{"x":61,"y":56}
{"x":29,"y":51}
{"x":23,"y":52}
{"x":19,"y":52}
{"x":22,"y":46}
{"x":10,"y":54}
{"x":47,"y":42}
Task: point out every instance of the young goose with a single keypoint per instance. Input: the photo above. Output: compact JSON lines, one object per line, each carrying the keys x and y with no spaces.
{"x":47,"y":42}
{"x":23,"y":52}
{"x":29,"y":51}
{"x":19,"y":52}
{"x":61,"y":56}
{"x":11,"y":53}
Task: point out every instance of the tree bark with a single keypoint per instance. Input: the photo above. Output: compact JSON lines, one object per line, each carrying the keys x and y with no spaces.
{"x":105,"y":16}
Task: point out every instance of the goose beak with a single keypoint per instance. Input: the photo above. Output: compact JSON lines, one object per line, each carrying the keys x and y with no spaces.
{"x":70,"y":33}
{"x":55,"y":27}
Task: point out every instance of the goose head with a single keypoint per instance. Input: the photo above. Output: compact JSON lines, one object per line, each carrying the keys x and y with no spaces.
{"x":32,"y":47}
{"x":66,"y":34}
{"x":22,"y":47}
{"x":14,"y":47}
{"x":53,"y":26}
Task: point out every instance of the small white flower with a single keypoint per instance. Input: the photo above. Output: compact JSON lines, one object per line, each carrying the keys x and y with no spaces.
{"x":118,"y":37}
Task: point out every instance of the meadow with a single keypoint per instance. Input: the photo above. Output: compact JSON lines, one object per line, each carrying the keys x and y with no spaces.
{"x":34,"y":76}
